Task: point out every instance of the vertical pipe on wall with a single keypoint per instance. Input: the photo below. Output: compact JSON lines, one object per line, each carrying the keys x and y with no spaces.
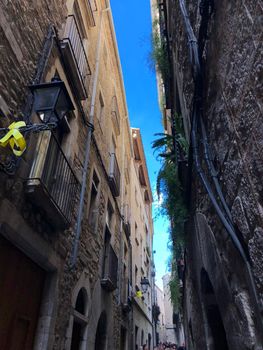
{"x":87,"y":147}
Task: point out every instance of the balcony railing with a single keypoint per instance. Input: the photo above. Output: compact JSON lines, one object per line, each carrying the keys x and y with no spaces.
{"x":115,"y":115}
{"x":52,"y":184}
{"x":110,"y":273}
{"x":126,"y":295}
{"x":114,"y":175}
{"x":75,"y":57}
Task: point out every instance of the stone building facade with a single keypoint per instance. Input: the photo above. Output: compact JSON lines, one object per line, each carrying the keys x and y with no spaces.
{"x":214,"y":51}
{"x":160,"y":326}
{"x":64,"y":224}
{"x":141,"y":242}
{"x":173,"y":332}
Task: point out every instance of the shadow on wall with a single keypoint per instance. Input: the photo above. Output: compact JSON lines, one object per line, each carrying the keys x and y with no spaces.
{"x":101,"y":332}
{"x":217,"y":337}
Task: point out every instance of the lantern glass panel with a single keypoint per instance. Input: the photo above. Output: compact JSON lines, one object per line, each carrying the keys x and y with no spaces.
{"x":144,"y":287}
{"x":62,"y":105}
{"x":144,"y":284}
{"x":45,"y":98}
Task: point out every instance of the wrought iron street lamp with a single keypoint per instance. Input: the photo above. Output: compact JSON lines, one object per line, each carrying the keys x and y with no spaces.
{"x":51,"y":100}
{"x":145,"y":284}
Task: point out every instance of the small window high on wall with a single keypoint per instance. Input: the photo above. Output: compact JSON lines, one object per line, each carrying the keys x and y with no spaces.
{"x":94,"y":202}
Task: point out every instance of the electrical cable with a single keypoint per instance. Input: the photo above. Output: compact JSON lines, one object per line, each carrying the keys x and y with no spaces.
{"x":213,"y":172}
{"x":197,"y":120}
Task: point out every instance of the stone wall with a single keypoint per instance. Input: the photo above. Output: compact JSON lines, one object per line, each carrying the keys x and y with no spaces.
{"x":232,"y":99}
{"x":24,"y":26}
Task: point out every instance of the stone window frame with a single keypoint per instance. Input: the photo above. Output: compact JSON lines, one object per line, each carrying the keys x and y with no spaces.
{"x":83,"y":283}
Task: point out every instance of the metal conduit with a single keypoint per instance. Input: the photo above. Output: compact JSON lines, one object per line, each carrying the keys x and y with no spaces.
{"x":196,"y":121}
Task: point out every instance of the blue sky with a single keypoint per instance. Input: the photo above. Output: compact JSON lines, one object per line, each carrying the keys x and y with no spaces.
{"x":132,"y":20}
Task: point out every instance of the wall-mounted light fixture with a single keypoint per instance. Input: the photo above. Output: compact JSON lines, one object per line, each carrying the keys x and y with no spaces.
{"x":145,"y":284}
{"x":51,"y":100}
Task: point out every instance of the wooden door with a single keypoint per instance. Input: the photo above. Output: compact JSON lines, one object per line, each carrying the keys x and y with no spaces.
{"x":21,"y":285}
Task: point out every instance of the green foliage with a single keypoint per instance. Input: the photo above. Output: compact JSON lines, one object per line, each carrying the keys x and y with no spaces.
{"x":174,"y":285}
{"x":158,"y":57}
{"x":169,"y":189}
{"x":163,"y":146}
{"x":173,"y":206}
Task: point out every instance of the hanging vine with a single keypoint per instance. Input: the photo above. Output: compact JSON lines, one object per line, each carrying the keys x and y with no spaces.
{"x":172,"y":200}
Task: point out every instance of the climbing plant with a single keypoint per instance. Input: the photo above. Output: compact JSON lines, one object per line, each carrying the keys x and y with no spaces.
{"x":172,"y":205}
{"x":158,"y":56}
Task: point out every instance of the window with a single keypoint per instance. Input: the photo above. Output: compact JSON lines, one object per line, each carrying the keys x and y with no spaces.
{"x":109,"y":216}
{"x":101,"y":109}
{"x":136,"y":337}
{"x":136,"y":196}
{"x":93,"y":206}
{"x":136,"y":235}
{"x":142,"y":338}
{"x":115,"y":114}
{"x":79,"y":20}
{"x":126,"y":169}
{"x":113,"y":145}
{"x":125,"y":249}
{"x":107,"y":239}
{"x":88,"y":10}
{"x":136,"y":275}
{"x":123,"y":338}
{"x":124,"y":284}
{"x":110,"y":264}
{"x":114,"y":171}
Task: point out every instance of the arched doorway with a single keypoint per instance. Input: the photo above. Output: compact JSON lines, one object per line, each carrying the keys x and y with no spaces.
{"x":149,"y":341}
{"x":79,"y":327}
{"x":101,"y":332}
{"x":142,"y":337}
{"x":217,"y":335}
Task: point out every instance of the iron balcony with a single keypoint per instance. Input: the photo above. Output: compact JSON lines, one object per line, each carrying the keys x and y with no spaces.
{"x":75,"y":57}
{"x":110,"y":273}
{"x":52,"y":184}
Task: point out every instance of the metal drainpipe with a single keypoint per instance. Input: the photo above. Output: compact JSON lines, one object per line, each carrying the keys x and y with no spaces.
{"x":87,"y":148}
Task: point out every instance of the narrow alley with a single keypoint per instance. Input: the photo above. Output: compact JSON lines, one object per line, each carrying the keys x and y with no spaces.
{"x":131,"y":159}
